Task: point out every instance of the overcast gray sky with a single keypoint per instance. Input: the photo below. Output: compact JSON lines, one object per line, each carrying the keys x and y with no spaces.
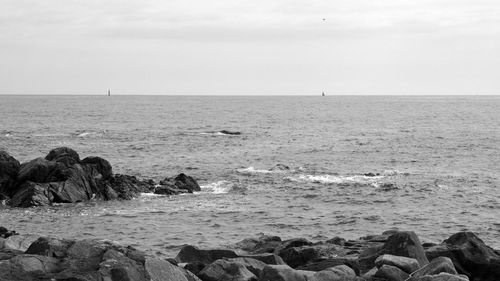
{"x":250,"y":47}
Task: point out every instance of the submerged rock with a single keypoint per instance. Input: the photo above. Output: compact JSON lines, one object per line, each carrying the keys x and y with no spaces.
{"x":226,"y":132}
{"x":182,"y":182}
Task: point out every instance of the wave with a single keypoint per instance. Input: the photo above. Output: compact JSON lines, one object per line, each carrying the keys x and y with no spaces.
{"x":222,"y":133}
{"x":331,"y":179}
{"x":221,"y":187}
{"x":83,"y":134}
{"x":277,"y":169}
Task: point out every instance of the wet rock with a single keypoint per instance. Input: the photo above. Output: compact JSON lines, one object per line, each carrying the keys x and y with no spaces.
{"x":193,"y":254}
{"x":336,"y":241}
{"x":5,"y":233}
{"x":41,"y":170}
{"x":85,"y":255}
{"x":227,"y":270}
{"x":32,"y":194}
{"x":195,"y":267}
{"x":27,"y":267}
{"x":337,"y":273}
{"x":391,"y":273}
{"x":128,"y":187}
{"x":65,"y":155}
{"x":444,"y":277}
{"x":119,"y":267}
{"x":253,"y":265}
{"x":102,"y":166}
{"x":226,"y":132}
{"x":470,"y":255}
{"x":408,"y":265}
{"x":184,"y":182}
{"x":284,"y":273}
{"x":9,"y":168}
{"x":166,"y":190}
{"x":280,"y":167}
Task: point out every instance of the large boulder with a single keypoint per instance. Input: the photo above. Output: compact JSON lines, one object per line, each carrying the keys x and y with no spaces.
{"x":227,"y":270}
{"x":470,"y":255}
{"x":260,"y":245}
{"x":64,"y":155}
{"x":336,"y":273}
{"x":127,"y":187}
{"x":190,"y":253}
{"x":20,"y":242}
{"x":391,"y":273}
{"x":403,"y":243}
{"x":102,"y":166}
{"x":284,"y":273}
{"x":160,"y":270}
{"x":408,"y":265}
{"x":9,"y":168}
{"x":444,"y":277}
{"x":436,"y":266}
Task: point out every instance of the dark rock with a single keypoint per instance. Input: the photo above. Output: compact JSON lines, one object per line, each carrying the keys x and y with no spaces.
{"x":226,"y":132}
{"x":27,"y":267}
{"x":41,"y":170}
{"x":336,"y":241}
{"x":320,"y":265}
{"x":9,"y":168}
{"x":182,"y":181}
{"x":85,"y":255}
{"x":102,"y":166}
{"x":408,"y":265}
{"x":280,"y":167}
{"x":470,"y":255}
{"x":193,"y":254}
{"x":7,"y":254}
{"x":195,"y":267}
{"x":404,"y":243}
{"x":50,"y":247}
{"x":128,"y":187}
{"x":253,"y":265}
{"x":292,"y":243}
{"x":391,"y":273}
{"x":5,"y":233}
{"x":32,"y":194}
{"x":266,"y":258}
{"x":166,"y":190}
{"x":436,"y":266}
{"x":226,"y":270}
{"x":63,"y":154}
{"x":118,"y":266}
{"x":298,"y":256}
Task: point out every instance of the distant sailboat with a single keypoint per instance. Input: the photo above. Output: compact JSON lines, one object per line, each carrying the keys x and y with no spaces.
{"x":109,"y":93}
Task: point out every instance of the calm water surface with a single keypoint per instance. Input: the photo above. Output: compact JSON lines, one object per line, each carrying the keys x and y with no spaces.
{"x":437,"y":158}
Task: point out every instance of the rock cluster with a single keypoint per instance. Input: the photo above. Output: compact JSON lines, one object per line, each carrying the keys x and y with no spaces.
{"x":392,"y":256}
{"x":61,"y":177}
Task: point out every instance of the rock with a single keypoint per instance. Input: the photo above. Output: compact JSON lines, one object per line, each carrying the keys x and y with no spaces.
{"x":27,"y":267}
{"x":263,"y":244}
{"x":470,"y":256}
{"x":351,"y":261}
{"x":284,"y":273}
{"x":444,"y":277}
{"x":63,"y":154}
{"x":336,"y":241}
{"x":266,"y":258}
{"x":226,"y":132}
{"x":226,"y":270}
{"x":337,"y":273}
{"x":5,"y":233}
{"x":436,"y":266}
{"x":31,"y":194}
{"x":9,"y":168}
{"x":391,"y":273}
{"x":298,"y":256}
{"x":166,"y":190}
{"x":128,"y":187}
{"x":41,"y":170}
{"x":188,"y":183}
{"x":102,"y":166}
{"x":404,"y":243}
{"x":20,"y":242}
{"x":408,"y":265}
{"x":253,"y":265}
{"x":85,"y":255}
{"x":50,"y":247}
{"x":280,"y":167}
{"x":159,"y":270}
{"x":119,"y":267}
{"x":195,"y":267}
{"x":190,"y":253}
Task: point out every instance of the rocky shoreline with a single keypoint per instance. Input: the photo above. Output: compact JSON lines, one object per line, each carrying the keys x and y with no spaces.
{"x":61,"y":177}
{"x":391,"y":256}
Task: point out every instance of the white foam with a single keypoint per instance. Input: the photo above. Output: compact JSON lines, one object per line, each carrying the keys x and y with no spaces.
{"x":84,"y":134}
{"x":336,"y":179}
{"x":150,"y":194}
{"x":218,"y":187}
{"x":252,"y":170}
{"x":391,"y":173}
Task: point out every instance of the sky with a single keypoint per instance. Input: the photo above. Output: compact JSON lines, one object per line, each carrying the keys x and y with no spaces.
{"x":254,"y":47}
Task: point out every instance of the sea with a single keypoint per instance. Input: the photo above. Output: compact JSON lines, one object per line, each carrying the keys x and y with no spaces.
{"x":303,"y":166}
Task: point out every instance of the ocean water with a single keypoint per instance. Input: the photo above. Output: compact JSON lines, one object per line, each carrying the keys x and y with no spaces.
{"x":436,"y":160}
